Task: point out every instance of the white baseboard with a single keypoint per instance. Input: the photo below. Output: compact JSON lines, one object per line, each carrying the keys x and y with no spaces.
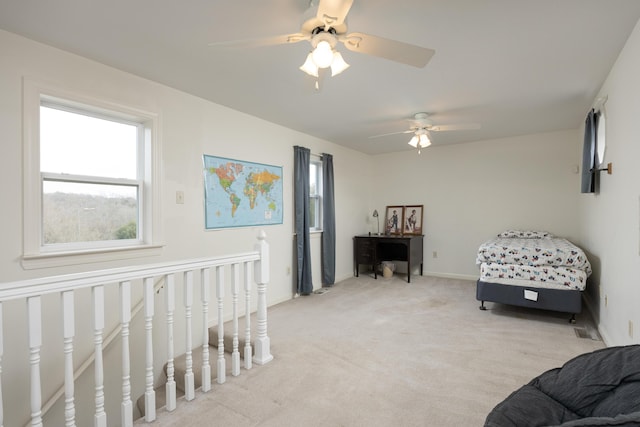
{"x":588,"y":302}
{"x":344,"y":277}
{"x":452,"y":275}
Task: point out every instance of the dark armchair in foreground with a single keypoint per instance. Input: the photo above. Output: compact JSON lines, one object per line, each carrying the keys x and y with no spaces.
{"x":601,"y":388}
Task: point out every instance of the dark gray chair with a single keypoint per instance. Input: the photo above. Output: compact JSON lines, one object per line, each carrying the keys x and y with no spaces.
{"x":601,"y":388}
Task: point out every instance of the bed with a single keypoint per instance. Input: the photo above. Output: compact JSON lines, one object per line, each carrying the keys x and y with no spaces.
{"x":532,"y":269}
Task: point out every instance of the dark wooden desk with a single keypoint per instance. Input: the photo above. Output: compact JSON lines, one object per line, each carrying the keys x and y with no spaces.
{"x":374,"y":249}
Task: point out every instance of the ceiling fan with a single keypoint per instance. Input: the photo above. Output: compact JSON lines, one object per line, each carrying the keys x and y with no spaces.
{"x":324,"y":25}
{"x":421,"y":127}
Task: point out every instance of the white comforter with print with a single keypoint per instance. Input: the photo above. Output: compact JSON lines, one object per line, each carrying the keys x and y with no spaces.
{"x":525,"y":257}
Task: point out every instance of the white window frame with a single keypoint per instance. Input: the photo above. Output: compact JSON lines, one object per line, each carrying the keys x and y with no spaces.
{"x":317,"y":227}
{"x":601,"y":131}
{"x":601,"y":137}
{"x":38,"y":255}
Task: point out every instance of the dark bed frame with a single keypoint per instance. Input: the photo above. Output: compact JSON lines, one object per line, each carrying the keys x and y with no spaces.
{"x":568,"y":301}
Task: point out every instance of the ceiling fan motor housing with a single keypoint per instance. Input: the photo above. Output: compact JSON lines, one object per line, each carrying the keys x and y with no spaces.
{"x":421,"y":121}
{"x":322,"y":35}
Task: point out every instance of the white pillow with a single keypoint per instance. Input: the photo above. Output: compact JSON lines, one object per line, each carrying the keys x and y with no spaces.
{"x":525,"y":234}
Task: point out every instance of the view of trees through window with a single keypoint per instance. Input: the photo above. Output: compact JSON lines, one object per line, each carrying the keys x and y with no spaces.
{"x":73,"y":217}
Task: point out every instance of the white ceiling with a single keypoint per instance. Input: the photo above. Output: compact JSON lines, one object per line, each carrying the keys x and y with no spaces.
{"x":514,"y":66}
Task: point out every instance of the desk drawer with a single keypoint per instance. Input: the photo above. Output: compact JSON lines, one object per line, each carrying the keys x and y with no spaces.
{"x":365,"y":251}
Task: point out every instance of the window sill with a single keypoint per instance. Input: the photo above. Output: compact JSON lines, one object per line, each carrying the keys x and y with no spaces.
{"x":61,"y":259}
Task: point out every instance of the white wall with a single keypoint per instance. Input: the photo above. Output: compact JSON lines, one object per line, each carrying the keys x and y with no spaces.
{"x":462,"y":188}
{"x":190,"y":127}
{"x":471,"y":192}
{"x":610,"y":218}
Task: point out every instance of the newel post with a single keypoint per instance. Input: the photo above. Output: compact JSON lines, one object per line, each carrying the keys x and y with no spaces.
{"x":262,"y":343}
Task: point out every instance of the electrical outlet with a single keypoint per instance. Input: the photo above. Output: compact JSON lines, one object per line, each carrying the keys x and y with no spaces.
{"x":288,"y":271}
{"x":606,"y":301}
{"x":180,"y":197}
{"x":630,"y":329}
{"x":435,"y":254}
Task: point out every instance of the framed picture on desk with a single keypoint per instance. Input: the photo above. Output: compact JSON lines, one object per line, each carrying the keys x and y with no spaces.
{"x":394,"y":220}
{"x":412,"y":219}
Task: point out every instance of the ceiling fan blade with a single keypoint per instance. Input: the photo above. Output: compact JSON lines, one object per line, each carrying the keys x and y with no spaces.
{"x":392,"y":133}
{"x":405,"y":53}
{"x":461,"y":126}
{"x":333,"y":12}
{"x":263,"y":41}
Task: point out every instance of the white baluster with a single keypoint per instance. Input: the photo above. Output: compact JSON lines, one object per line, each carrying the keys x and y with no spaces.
{"x":68,"y":326}
{"x":100,"y":417}
{"x":206,"y":293}
{"x":222,"y":366}
{"x":149,"y":394}
{"x":262,"y":344}
{"x":170,"y":306}
{"x":35,"y":342}
{"x":1,"y":354}
{"x":126,"y":407}
{"x":189,"y":386}
{"x":235,"y":354}
{"x":248,"y":353}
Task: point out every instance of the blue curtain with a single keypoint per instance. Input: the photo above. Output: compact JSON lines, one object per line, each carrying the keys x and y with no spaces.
{"x":301,"y":208}
{"x":328,"y":222}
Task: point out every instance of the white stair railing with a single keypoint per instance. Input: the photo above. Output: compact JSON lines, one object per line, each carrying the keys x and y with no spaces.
{"x":122,"y":279}
{"x":100,"y":416}
{"x":67,"y":388}
{"x":35,"y":343}
{"x":68,"y":320}
{"x":170,"y":306}
{"x":189,"y":383}
{"x":149,"y":309}
{"x":126,"y":411}
{"x":205,"y":295}
{"x":235,"y":354}
{"x":247,"y":330}
{"x":221,"y":367}
{"x":263,"y":343}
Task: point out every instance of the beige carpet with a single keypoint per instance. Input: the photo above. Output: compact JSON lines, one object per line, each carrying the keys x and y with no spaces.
{"x":388,"y":353}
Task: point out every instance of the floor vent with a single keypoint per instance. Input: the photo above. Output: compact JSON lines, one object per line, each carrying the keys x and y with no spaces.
{"x":587,"y":334}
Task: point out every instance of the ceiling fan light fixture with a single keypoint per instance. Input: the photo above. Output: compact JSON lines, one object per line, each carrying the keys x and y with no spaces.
{"x":323,"y":54}
{"x":338,"y":65}
{"x":424,"y":141}
{"x":310,"y":66}
{"x":414,"y":141}
{"x":420,"y":140}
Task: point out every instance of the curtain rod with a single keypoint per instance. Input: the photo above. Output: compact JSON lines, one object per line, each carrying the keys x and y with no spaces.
{"x":314,"y":154}
{"x":600,"y":102}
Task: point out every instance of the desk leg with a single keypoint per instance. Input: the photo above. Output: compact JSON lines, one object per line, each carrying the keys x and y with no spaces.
{"x":408,"y":271}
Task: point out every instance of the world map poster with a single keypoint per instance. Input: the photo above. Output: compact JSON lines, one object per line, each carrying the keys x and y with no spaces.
{"x":239,"y":193}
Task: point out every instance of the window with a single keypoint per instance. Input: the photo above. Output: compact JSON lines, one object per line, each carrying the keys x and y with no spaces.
{"x":315,"y":196}
{"x":91,"y":184}
{"x":90,"y":179}
{"x":601,"y":137}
